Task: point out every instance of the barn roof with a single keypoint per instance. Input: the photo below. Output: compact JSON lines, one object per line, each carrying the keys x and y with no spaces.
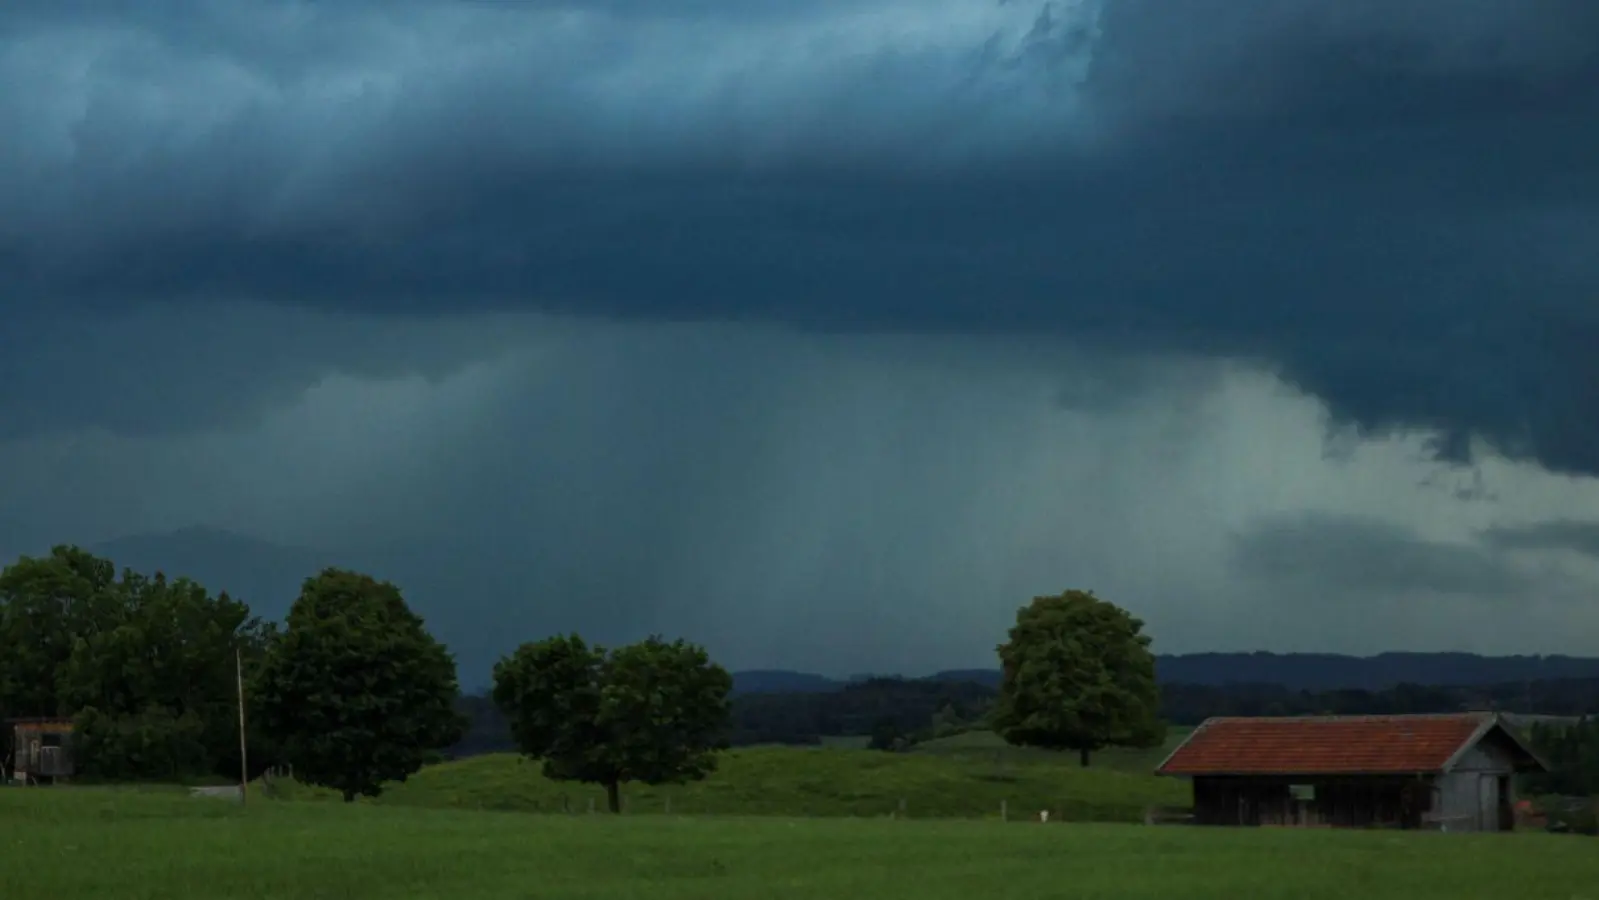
{"x":1339,"y":745}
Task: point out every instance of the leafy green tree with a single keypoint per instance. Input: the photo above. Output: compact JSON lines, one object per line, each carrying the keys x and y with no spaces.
{"x":46,"y":605}
{"x":135,"y":660}
{"x":355,"y":688}
{"x":1077,"y":675}
{"x":888,"y":736}
{"x":173,"y":646}
{"x":168,"y":656}
{"x":650,"y":712}
{"x":153,"y":744}
{"x":1572,"y":751}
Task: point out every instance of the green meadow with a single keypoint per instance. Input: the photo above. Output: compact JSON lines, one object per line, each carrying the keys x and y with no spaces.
{"x":88,"y":843}
{"x":979,"y":746}
{"x":813,"y":782}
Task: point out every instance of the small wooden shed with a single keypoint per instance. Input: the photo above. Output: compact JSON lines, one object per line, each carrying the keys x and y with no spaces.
{"x":41,"y":750}
{"x":1446,"y":772}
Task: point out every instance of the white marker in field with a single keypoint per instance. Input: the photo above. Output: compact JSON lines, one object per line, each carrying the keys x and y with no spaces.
{"x":1043,"y":815}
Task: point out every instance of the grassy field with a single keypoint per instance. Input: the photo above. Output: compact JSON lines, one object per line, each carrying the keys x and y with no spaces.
{"x":785,"y":781}
{"x":86,"y":843}
{"x":986,"y":746}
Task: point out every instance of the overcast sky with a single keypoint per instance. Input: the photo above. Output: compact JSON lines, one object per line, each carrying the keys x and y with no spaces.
{"x":826,"y":332}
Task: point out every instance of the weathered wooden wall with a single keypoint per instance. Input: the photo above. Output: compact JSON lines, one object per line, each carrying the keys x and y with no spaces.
{"x":1478,"y":794}
{"x":42,"y":749}
{"x":1346,"y":802}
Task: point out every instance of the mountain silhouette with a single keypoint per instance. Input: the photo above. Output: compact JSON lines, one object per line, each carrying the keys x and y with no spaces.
{"x":268,"y":576}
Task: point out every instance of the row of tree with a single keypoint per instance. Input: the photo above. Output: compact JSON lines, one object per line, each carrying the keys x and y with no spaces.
{"x":145,"y":665}
{"x":1572,"y":751}
{"x":354,"y":692}
{"x":351,"y":690}
{"x":1190,"y":704}
{"x":915,"y":709}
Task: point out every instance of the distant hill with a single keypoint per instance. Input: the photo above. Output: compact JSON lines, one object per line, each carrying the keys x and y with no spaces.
{"x":986,"y":677}
{"x":1295,"y":671}
{"x":1327,"y":671}
{"x":779,"y":681}
{"x":268,"y":577}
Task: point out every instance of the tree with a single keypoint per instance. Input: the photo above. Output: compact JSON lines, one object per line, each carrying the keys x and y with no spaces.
{"x":1572,"y":751}
{"x":887,"y":736}
{"x":650,"y":712}
{"x":144,"y":665}
{"x":355,"y":689}
{"x":165,"y":663}
{"x":1077,"y":674}
{"x":47,"y":604}
{"x":155,"y":743}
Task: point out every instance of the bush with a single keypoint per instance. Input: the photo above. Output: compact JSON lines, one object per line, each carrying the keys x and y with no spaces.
{"x":153,"y":745}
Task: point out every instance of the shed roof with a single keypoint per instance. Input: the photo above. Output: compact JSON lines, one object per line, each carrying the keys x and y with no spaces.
{"x":40,"y":724}
{"x":1339,"y":745}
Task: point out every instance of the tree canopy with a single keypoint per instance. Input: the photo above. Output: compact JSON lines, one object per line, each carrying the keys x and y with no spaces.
{"x":651,"y":712}
{"x":145,"y":666}
{"x":1572,"y":751}
{"x":47,"y":604}
{"x":1077,"y":674}
{"x":356,"y":689}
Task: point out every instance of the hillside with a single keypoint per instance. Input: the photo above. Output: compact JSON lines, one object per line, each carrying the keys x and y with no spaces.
{"x":919,"y":708}
{"x":1293,"y":671}
{"x":977,"y":747}
{"x":782,"y":781}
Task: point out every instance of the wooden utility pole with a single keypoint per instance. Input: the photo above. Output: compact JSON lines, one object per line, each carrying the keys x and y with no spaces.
{"x":244,"y":753}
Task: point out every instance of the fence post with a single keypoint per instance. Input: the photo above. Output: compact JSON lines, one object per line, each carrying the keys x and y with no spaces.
{"x":1004,"y":810}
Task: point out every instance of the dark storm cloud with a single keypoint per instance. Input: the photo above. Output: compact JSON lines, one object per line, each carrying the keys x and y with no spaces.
{"x":1393,"y":203}
{"x":1563,"y":534}
{"x":1361,"y":555}
{"x":167,"y":368}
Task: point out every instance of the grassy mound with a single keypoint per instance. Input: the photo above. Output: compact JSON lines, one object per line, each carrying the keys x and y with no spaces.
{"x":87,"y":844}
{"x":786,"y":781}
{"x":976,"y":746}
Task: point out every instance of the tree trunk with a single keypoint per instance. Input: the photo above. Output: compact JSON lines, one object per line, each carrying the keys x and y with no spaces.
{"x":349,"y":796}
{"x":1082,"y":756}
{"x":613,"y":796}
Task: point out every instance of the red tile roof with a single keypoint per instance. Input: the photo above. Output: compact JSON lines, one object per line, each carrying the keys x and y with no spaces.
{"x":1324,"y":745}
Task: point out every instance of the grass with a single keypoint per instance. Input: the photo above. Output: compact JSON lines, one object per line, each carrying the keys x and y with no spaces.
{"x":981,"y":746}
{"x":89,"y":843}
{"x":819,"y":782}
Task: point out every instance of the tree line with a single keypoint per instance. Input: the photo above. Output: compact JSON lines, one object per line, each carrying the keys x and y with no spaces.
{"x":353,"y":692}
{"x":1571,"y":750}
{"x":145,"y":665}
{"x":1190,"y":704}
{"x":921,"y":708}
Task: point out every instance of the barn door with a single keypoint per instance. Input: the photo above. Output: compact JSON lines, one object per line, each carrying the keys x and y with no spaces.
{"x":1487,"y":803}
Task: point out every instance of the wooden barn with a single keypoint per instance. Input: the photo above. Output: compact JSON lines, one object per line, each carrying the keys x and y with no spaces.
{"x":41,"y":750}
{"x":1445,"y":772}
